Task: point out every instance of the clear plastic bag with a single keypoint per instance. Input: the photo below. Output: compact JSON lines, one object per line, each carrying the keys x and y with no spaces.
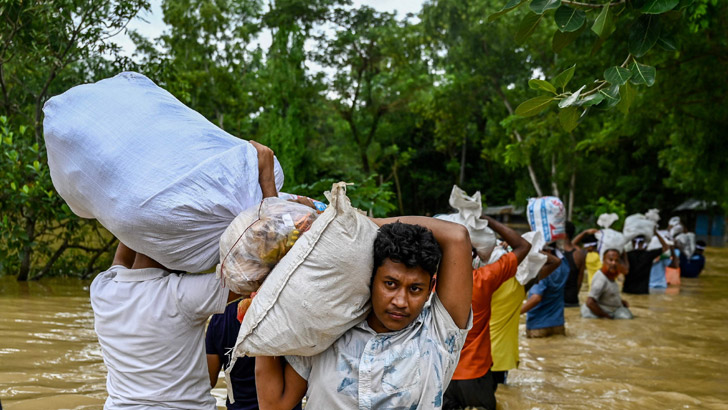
{"x":257,"y":239}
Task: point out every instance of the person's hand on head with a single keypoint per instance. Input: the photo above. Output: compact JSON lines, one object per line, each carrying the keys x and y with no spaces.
{"x":266,"y":174}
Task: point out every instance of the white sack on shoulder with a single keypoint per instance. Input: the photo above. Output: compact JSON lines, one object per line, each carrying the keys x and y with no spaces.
{"x":157,"y":174}
{"x":606,"y":220}
{"x":609,"y":239}
{"x":318,"y":291}
{"x":636,"y":225}
{"x":655,"y":242}
{"x":686,"y":242}
{"x":470,"y":209}
{"x":534,"y":261}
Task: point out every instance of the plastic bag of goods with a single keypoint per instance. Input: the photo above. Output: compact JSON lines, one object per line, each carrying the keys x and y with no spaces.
{"x":546,"y":214}
{"x":318,"y":291}
{"x":470,"y":209}
{"x":686,"y":243}
{"x":258,"y":239}
{"x":636,"y":225}
{"x":534,"y":261}
{"x":608,"y":238}
{"x":157,"y":174}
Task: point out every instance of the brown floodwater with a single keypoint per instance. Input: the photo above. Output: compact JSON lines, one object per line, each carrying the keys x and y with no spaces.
{"x":672,"y":355}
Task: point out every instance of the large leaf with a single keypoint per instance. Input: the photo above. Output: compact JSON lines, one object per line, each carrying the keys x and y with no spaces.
{"x":569,"y":19}
{"x":591,"y":99}
{"x":611,"y":97}
{"x":561,"y":80}
{"x":527,"y":27}
{"x":667,"y":43}
{"x":570,"y":100}
{"x":644,"y":35}
{"x":604,"y":23}
{"x":539,"y":6}
{"x":642,"y":74}
{"x":536,"y":84}
{"x":512,"y":4}
{"x":658,"y":6}
{"x":617,"y":75}
{"x":534,"y":106}
{"x":569,"y":118}
{"x":628,"y":94}
{"x":563,"y":39}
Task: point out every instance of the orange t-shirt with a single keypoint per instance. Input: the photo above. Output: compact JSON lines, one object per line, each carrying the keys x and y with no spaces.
{"x":475,"y":358}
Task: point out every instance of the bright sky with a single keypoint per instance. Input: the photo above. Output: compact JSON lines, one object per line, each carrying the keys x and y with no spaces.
{"x":150,"y":24}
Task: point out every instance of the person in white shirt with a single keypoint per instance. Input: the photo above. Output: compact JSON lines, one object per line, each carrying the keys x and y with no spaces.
{"x":151,"y":325}
{"x":404,"y":353}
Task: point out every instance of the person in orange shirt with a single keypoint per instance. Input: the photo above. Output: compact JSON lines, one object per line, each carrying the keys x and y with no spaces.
{"x":473,"y":383}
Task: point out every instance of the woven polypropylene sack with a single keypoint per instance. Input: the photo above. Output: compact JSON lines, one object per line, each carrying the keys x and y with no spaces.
{"x":318,"y":291}
{"x":157,"y":174}
{"x":469,"y":210}
{"x":547,"y":215}
{"x":534,"y":261}
{"x":636,"y":225}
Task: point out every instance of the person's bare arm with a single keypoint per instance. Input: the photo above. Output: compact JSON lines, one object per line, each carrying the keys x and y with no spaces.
{"x":592,"y":304}
{"x":520,"y":246}
{"x":623,"y":267}
{"x":124,"y":256}
{"x":455,"y":275}
{"x":213,"y":367}
{"x":552,"y":262}
{"x":531,"y":303}
{"x":279,"y":386}
{"x":266,"y":175}
{"x":577,"y":238}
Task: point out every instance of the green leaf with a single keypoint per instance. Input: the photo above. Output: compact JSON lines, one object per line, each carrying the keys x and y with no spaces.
{"x":539,"y":6}
{"x":611,"y":97}
{"x":628,"y":94}
{"x":563,"y":39}
{"x":536,"y":84}
{"x":561,"y":80}
{"x":527,"y":27}
{"x":684,"y":3}
{"x":512,"y":4}
{"x":658,"y":6}
{"x":25,"y":189}
{"x":13,"y":186}
{"x":534,"y":106}
{"x":36,"y":165}
{"x":569,"y":19}
{"x":570,"y":100}
{"x":604,"y":23}
{"x":591,"y":99}
{"x":617,"y":75}
{"x":569,"y":118}
{"x":667,"y":43}
{"x":644,"y":35}
{"x":642,"y":74}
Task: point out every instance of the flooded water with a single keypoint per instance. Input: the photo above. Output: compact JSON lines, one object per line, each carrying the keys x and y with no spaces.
{"x":671,"y":356}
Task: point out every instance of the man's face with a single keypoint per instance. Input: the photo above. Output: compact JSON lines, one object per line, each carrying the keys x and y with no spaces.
{"x":398,"y":295}
{"x":611,"y":259}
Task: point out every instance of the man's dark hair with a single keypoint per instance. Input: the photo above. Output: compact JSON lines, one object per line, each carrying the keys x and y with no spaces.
{"x":588,"y":238}
{"x":411,"y":245}
{"x":701,"y":243}
{"x":570,"y":230}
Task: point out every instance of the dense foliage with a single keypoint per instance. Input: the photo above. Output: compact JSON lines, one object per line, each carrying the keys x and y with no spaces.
{"x":611,"y":105}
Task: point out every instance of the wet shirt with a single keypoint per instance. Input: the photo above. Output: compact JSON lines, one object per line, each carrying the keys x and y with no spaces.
{"x":476,"y":359}
{"x":605,"y":292}
{"x":593,"y":264}
{"x":637,"y":281}
{"x":691,"y":268}
{"x":151,"y":328}
{"x":504,"y":319}
{"x":657,"y":272}
{"x":550,"y":311}
{"x":363,"y":369}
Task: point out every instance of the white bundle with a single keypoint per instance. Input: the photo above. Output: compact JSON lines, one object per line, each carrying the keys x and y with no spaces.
{"x":534,"y":261}
{"x":655,"y":242}
{"x":157,"y":174}
{"x":686,"y":243}
{"x":675,"y":227}
{"x":608,"y":238}
{"x":636,"y":225}
{"x":547,"y":215}
{"x":470,"y":209}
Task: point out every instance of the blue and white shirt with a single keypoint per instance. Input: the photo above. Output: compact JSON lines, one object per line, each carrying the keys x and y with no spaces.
{"x":406,"y":369}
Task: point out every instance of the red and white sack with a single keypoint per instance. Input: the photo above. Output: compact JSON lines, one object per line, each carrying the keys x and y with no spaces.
{"x":157,"y":174}
{"x":547,"y":215}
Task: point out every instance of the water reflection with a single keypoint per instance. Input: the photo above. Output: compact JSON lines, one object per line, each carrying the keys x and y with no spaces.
{"x":671,"y":356}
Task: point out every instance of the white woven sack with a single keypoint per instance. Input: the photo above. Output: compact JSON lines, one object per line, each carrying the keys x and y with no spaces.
{"x":534,"y":261}
{"x":547,"y":215}
{"x":470,"y":208}
{"x":157,"y":174}
{"x":655,"y":242}
{"x":686,"y":242}
{"x":609,"y":239}
{"x":636,"y":225}
{"x":318,"y":291}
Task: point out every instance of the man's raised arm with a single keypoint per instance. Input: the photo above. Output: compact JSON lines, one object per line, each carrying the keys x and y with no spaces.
{"x":520,"y":246}
{"x":455,"y":274}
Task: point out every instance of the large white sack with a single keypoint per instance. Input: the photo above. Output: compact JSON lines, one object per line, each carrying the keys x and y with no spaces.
{"x":547,"y":215}
{"x":609,"y":239}
{"x":686,"y":242}
{"x":655,"y":242}
{"x":534,"y":261}
{"x":157,"y":174}
{"x":636,"y":225}
{"x":675,"y":227}
{"x":470,"y":209}
{"x":318,"y":291}
{"x":606,"y":220}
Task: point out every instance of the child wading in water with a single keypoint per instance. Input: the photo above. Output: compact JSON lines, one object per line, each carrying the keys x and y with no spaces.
{"x":604,"y":299}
